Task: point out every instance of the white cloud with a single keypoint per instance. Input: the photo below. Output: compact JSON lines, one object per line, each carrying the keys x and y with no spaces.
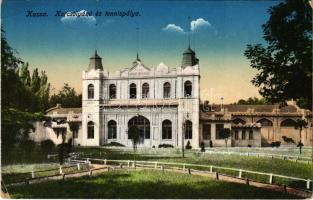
{"x":198,"y":23}
{"x":173,"y":28}
{"x":78,"y":17}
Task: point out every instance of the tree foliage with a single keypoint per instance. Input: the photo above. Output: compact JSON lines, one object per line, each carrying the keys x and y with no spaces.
{"x":284,"y":64}
{"x":300,"y":125}
{"x":20,"y":106}
{"x":225,"y":134}
{"x":67,"y":97}
{"x":133,"y":134}
{"x":252,"y":101}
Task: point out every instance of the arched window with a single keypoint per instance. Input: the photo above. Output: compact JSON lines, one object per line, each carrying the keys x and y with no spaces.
{"x":111,"y":129}
{"x":288,"y":123}
{"x":188,"y":130}
{"x":112,"y":91}
{"x":187,"y":89}
{"x":143,"y":125}
{"x":91,"y":89}
{"x":243,"y":134}
{"x":132,"y":91}
{"x":166,"y":129}
{"x":250,"y":134}
{"x":145,"y":90}
{"x":238,"y":120}
{"x":166,"y":90}
{"x":90,"y":130}
{"x":265,"y":122}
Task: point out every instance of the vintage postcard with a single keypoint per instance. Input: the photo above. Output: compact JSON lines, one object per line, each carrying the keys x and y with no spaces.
{"x":156,"y":99}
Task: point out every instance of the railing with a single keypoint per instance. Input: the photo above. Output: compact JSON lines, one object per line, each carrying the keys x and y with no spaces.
{"x":26,"y":177}
{"x":279,"y":156}
{"x":270,"y":178}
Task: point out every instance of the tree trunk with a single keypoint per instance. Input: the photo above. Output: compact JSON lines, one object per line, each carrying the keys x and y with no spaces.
{"x":300,"y":145}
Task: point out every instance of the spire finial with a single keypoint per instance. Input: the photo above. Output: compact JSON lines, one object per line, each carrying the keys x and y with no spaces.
{"x":189,"y":32}
{"x":137,"y":57}
{"x":96,"y":53}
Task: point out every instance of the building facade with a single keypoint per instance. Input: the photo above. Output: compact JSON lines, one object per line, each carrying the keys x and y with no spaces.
{"x":165,"y":106}
{"x":161,"y":102}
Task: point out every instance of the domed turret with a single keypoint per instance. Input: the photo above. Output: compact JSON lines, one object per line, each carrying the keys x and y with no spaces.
{"x":95,"y":62}
{"x":189,"y":58}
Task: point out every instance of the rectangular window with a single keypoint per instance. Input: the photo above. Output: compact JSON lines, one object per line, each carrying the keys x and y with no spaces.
{"x":236,"y":135}
{"x":75,"y":134}
{"x":219,"y":127}
{"x":207,"y":131}
{"x":243,"y":134}
{"x":251,"y":135}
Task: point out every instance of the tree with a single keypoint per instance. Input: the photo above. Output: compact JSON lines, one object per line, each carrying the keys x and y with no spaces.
{"x":18,"y":103}
{"x":133,"y":134}
{"x":284,"y":64}
{"x":67,"y":97}
{"x":252,"y":101}
{"x":225,"y":134}
{"x":301,"y":124}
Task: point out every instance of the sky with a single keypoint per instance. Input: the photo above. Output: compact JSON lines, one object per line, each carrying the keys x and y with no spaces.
{"x":62,"y":44}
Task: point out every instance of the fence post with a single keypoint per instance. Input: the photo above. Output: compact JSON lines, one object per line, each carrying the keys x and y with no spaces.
{"x":247,"y":181}
{"x":162,"y":168}
{"x":189,"y":171}
{"x":60,"y":170}
{"x":240,"y":173}
{"x":211,"y":168}
{"x":128,"y":163}
{"x":216,"y":176}
{"x":78,"y":166}
{"x":105,"y":161}
{"x":33,"y":174}
{"x":271,"y":179}
{"x":308,"y":184}
{"x":285,"y":188}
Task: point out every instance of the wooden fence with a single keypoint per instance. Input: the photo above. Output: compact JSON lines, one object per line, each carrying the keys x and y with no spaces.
{"x":270,"y":178}
{"x":268,"y":155}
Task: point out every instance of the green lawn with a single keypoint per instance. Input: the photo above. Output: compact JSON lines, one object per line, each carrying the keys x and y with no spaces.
{"x":142,"y":184}
{"x":277,"y":166}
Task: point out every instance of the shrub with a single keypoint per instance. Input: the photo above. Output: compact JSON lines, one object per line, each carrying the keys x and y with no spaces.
{"x":28,"y":145}
{"x":300,"y":144}
{"x":288,"y":140}
{"x":202,"y":147}
{"x":249,"y":145}
{"x":116,"y":144}
{"x":275,"y":144}
{"x":211,"y":144}
{"x":47,"y":146}
{"x":165,"y":146}
{"x":188,"y":146}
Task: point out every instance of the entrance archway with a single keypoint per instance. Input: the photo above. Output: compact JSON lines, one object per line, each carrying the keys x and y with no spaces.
{"x":143,"y":125}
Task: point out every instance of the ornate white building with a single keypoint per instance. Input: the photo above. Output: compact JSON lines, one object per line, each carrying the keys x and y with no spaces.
{"x":160,"y":101}
{"x":165,"y":105}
